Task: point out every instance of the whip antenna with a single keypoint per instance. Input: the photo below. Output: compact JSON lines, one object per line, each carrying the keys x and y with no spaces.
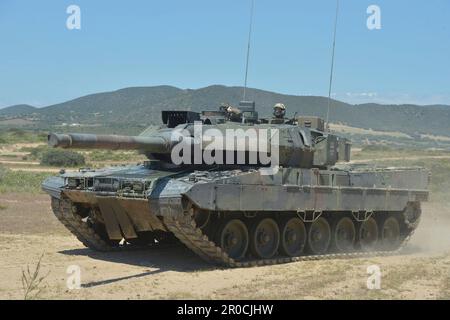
{"x":332,"y":62}
{"x":248,"y":48}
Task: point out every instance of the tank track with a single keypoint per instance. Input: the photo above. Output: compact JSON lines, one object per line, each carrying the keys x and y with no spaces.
{"x":62,"y":209}
{"x":185,"y":229}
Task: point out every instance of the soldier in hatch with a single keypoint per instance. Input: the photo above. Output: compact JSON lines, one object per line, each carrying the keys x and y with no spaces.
{"x":279,"y":111}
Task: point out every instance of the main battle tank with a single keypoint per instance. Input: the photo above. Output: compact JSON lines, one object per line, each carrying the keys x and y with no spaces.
{"x":308,"y":202}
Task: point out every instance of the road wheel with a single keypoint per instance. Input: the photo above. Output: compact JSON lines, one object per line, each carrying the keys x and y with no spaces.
{"x":319,"y":236}
{"x":265,"y":238}
{"x":293,"y":237}
{"x":233,"y":238}
{"x":390,"y":234}
{"x":344,"y":235}
{"x":368,"y":235}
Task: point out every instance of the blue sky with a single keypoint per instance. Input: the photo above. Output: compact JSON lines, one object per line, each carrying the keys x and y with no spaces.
{"x":196,"y":43}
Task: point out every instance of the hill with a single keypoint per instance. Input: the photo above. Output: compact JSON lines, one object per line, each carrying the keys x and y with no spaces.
{"x":141,"y":106}
{"x":17,"y":110}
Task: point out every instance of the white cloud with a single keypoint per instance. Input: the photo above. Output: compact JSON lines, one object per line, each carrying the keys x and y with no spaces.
{"x":361,"y":94}
{"x":393,"y":98}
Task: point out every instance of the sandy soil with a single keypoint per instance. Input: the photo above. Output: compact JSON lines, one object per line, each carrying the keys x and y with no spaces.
{"x":28,"y":230}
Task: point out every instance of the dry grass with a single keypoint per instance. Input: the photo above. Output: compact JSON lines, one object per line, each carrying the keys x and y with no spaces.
{"x":21,"y":181}
{"x":32,"y":281}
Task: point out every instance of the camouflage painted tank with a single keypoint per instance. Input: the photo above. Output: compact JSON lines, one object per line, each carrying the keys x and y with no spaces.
{"x":313,"y":203}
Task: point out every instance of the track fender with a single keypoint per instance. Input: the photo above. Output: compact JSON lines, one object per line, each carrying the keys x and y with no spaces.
{"x":53,"y":186}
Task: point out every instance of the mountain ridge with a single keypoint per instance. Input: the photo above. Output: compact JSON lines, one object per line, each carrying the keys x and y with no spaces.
{"x":142,"y":106}
{"x":18,"y":109}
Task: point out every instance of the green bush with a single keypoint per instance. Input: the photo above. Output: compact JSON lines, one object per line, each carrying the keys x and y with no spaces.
{"x":62,"y":158}
{"x":109,"y":155}
{"x":35,"y":153}
{"x":101,"y":155}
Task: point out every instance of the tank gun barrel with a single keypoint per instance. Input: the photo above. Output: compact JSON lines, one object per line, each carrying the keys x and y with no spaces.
{"x":154,"y":144}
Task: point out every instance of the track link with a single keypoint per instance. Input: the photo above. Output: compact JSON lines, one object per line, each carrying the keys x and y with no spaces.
{"x":185,"y":229}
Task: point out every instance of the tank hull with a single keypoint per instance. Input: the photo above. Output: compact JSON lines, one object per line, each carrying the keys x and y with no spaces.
{"x":117,"y":208}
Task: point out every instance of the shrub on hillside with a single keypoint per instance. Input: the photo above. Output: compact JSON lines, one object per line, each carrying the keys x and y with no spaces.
{"x":37,"y":153}
{"x":62,"y":158}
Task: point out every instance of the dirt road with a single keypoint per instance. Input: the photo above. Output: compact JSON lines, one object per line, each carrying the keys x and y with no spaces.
{"x":28,"y":230}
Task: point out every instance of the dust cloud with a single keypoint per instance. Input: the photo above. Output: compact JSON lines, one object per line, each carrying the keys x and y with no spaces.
{"x":433,"y":234}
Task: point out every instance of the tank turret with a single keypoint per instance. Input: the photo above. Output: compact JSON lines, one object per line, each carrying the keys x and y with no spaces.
{"x":300,"y":143}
